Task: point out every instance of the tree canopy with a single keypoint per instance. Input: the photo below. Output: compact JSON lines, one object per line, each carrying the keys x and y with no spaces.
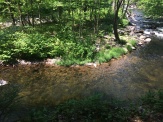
{"x":152,"y":7}
{"x":70,"y":29}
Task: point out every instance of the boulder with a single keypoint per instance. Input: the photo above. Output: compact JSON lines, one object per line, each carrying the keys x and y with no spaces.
{"x":142,"y":37}
{"x":147,"y":40}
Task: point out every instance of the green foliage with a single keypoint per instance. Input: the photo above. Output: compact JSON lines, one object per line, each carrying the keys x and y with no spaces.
{"x":125,"y":22}
{"x":153,"y":8}
{"x":66,"y":29}
{"x":129,"y":48}
{"x":88,"y":109}
{"x":106,"y":55}
{"x":37,"y":46}
{"x":132,"y":42}
{"x":117,"y":52}
{"x":122,"y":42}
{"x":93,"y":108}
{"x":107,"y":46}
{"x":20,"y":45}
{"x":154,"y":100}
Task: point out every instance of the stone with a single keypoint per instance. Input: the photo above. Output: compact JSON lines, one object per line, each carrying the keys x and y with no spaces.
{"x":147,"y":40}
{"x":139,"y":31}
{"x":140,"y":43}
{"x":3,"y":82}
{"x":142,"y":37}
{"x":106,"y":36}
{"x":91,"y":64}
{"x":133,"y":48}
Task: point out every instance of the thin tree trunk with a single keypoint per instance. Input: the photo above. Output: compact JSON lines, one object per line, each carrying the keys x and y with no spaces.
{"x":31,"y":2}
{"x":115,"y":24}
{"x":27,"y":18}
{"x":126,"y":9}
{"x":10,"y":11}
{"x":39,"y":12}
{"x":20,"y":13}
{"x":115,"y":27}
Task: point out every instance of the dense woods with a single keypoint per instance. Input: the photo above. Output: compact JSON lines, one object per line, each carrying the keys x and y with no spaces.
{"x":153,"y":8}
{"x":68,"y":29}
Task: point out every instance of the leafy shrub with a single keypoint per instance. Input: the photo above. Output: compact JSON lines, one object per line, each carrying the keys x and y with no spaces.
{"x":106,"y":55}
{"x":89,"y":109}
{"x":117,"y":52}
{"x":132,"y":42}
{"x":125,"y":22}
{"x":107,"y":46}
{"x":36,"y":46}
{"x":129,"y":48}
{"x":29,"y":46}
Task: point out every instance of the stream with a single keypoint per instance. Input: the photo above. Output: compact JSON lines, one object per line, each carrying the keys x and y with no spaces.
{"x":127,"y":78}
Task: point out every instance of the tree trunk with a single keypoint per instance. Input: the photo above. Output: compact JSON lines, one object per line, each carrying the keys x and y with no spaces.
{"x":117,"y":6}
{"x":31,"y":2}
{"x":20,"y":13}
{"x":115,"y":27}
{"x":39,"y":12}
{"x":128,"y":2}
{"x":10,"y":11}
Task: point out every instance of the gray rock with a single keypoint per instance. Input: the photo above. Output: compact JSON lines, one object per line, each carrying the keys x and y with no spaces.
{"x":106,"y":36}
{"x":142,"y":37}
{"x":147,"y":40}
{"x":91,"y":64}
{"x":3,"y":82}
{"x":133,"y":48}
{"x":140,"y":43}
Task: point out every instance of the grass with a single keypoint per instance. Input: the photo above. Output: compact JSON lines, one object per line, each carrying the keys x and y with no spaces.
{"x":107,"y":55}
